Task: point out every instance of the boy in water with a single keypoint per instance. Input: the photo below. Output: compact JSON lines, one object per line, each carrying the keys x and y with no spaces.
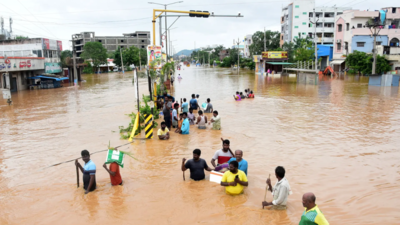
{"x":89,"y":172}
{"x":178,"y":130}
{"x":237,"y":96}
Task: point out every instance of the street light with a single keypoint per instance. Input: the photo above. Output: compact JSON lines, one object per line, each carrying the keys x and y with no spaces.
{"x":166,"y":38}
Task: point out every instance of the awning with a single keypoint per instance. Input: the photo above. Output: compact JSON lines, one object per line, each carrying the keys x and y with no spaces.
{"x":279,"y":63}
{"x":52,"y":78}
{"x":337,"y":62}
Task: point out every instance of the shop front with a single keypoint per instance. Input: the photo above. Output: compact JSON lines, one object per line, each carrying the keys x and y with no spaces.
{"x":274,"y":61}
{"x":15,"y":71}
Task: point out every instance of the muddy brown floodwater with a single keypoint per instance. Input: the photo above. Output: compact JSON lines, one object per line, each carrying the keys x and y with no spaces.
{"x":339,"y":139}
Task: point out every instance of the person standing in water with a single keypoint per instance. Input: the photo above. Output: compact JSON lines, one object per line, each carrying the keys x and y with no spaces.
{"x":184,"y":106}
{"x":216,"y":120}
{"x":89,"y":172}
{"x":222,"y":155}
{"x":193,"y":103}
{"x":201,"y":121}
{"x":209,"y":108}
{"x":196,"y":166}
{"x":191,"y":116}
{"x":234,"y":180}
{"x":115,"y":176}
{"x":312,"y":215}
{"x":185,"y":124}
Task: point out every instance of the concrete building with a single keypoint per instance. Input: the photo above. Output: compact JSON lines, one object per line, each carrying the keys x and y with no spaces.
{"x":295,"y":21}
{"x":28,"y":58}
{"x":139,"y":39}
{"x":248,"y":40}
{"x":241,"y":49}
{"x":351,"y":34}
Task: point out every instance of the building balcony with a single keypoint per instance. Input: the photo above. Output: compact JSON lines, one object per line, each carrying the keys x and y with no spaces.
{"x":325,"y":29}
{"x":327,"y":39}
{"x":327,"y":19}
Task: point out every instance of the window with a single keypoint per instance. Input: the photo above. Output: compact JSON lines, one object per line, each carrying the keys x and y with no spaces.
{"x":283,"y":19}
{"x":304,"y":13}
{"x":304,"y":33}
{"x":347,"y":26}
{"x":310,"y":14}
{"x":142,"y":46}
{"x":297,"y":6}
{"x":393,"y":10}
{"x":122,"y":41}
{"x":304,"y":23}
{"x":296,"y":26}
{"x":360,"y":44}
{"x":39,"y":53}
{"x":346,"y":45}
{"x":359,"y":25}
{"x":339,"y":27}
{"x":296,"y":37}
{"x":99,"y":40}
{"x":379,"y":43}
{"x":296,"y":17}
{"x":282,"y":37}
{"x":142,"y":41}
{"x":339,"y":13}
{"x":339,"y":46}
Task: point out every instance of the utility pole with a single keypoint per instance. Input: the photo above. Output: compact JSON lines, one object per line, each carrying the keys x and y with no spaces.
{"x":140,"y":64}
{"x":374,"y":52}
{"x":315,"y":41}
{"x":166,"y":35}
{"x":122,"y":62}
{"x":265,"y":41}
{"x":74,"y":61}
{"x":238,"y":65}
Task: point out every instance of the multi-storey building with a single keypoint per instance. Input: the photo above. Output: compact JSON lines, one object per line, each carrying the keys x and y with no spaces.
{"x":139,"y":39}
{"x":248,"y":40}
{"x":351,"y":33}
{"x":296,"y":17}
{"x":26,"y":58}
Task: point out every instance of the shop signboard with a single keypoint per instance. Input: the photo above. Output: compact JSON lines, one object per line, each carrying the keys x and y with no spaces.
{"x":154,"y":53}
{"x":52,"y":68}
{"x":59,"y":45}
{"x":49,"y":44}
{"x":275,"y":55}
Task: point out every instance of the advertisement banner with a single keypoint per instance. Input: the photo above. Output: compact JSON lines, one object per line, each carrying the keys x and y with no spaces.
{"x":274,"y":55}
{"x":52,"y":68}
{"x":59,"y":45}
{"x":49,"y":44}
{"x":154,"y":53}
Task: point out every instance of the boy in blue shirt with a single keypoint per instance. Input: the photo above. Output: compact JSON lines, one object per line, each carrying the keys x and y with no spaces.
{"x":242,"y":163}
{"x":89,"y":172}
{"x":185,"y":125}
{"x":193,"y":103}
{"x":185,"y":106}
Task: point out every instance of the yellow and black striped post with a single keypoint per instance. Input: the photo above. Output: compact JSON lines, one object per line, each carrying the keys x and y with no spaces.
{"x":148,"y":119}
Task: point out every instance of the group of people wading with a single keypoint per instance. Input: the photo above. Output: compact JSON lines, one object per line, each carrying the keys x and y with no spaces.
{"x":233,"y":166}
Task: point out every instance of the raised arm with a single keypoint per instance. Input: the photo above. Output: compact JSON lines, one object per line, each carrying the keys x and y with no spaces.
{"x":109,"y":171}
{"x":183,"y":167}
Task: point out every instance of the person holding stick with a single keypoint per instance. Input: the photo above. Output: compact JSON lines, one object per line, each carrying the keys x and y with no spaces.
{"x":223,"y":155}
{"x":281,"y":190}
{"x":196,"y":166}
{"x":234,"y":179}
{"x":89,"y":172}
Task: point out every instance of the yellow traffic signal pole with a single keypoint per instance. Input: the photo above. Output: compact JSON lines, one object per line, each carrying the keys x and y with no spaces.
{"x":174,"y":11}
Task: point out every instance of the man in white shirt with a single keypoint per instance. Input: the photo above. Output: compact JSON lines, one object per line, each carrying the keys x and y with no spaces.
{"x":281,"y":190}
{"x":223,"y":155}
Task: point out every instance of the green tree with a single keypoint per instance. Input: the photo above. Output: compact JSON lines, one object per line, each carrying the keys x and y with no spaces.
{"x":357,"y":61}
{"x":272,"y":41}
{"x":289,"y":48}
{"x":20,"y":37}
{"x":130,"y":56}
{"x":65,"y":56}
{"x":304,"y":49}
{"x":96,"y":52}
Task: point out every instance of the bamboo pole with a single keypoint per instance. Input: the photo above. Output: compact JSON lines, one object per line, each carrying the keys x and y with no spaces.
{"x":266,"y":190}
{"x":77,"y":176}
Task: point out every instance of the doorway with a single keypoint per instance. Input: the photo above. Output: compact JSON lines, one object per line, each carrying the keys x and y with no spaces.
{"x":13,"y":87}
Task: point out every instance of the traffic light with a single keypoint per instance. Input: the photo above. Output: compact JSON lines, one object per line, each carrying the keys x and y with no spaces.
{"x":198,"y":15}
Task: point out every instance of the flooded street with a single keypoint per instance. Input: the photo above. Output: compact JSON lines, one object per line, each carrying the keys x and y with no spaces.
{"x":339,"y":139}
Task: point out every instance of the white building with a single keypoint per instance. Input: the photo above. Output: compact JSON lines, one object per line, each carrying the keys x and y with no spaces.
{"x":296,"y":16}
{"x":248,"y":40}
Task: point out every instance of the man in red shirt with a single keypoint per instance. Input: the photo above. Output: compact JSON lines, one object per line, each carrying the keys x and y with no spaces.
{"x":115,"y":176}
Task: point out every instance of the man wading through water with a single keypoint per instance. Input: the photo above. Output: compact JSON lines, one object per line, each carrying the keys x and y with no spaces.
{"x":89,"y":172}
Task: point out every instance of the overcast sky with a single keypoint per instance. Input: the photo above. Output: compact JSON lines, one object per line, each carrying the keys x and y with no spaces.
{"x":59,"y":19}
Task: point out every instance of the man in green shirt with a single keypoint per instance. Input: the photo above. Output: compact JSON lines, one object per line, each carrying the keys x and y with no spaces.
{"x":312,"y":215}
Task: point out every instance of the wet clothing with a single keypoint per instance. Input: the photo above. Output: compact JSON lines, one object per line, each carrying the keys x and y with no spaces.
{"x":185,"y":107}
{"x":281,"y":192}
{"x":174,"y":114}
{"x":190,"y":117}
{"x":238,"y":97}
{"x":313,"y":216}
{"x":185,"y":126}
{"x":180,"y":124}
{"x":222,"y":156}
{"x":216,"y":123}
{"x":193,"y":104}
{"x":196,"y":169}
{"x":209,"y":108}
{"x":89,"y":169}
{"x":230,"y":177}
{"x":115,"y":180}
{"x":242,"y":165}
{"x":202,"y":123}
{"x":161,"y":132}
{"x":251,"y":95}
{"x":167,"y":121}
{"x":163,"y":97}
{"x":166,"y":111}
